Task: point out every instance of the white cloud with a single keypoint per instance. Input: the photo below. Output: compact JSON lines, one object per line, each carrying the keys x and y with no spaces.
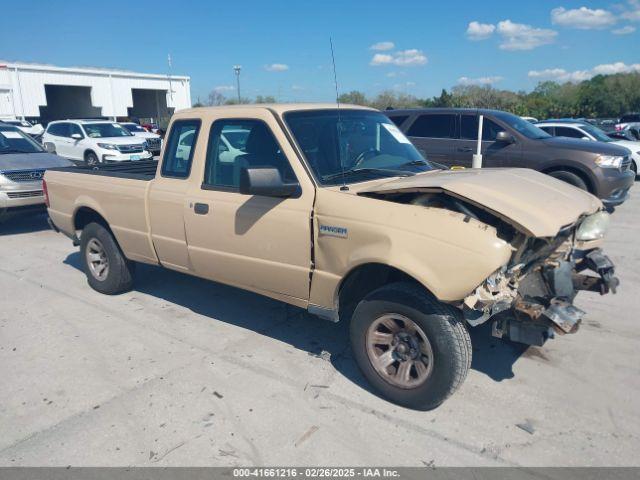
{"x":479,"y":80}
{"x":403,"y":58}
{"x":276,"y":67}
{"x":480,"y":31}
{"x":381,"y":59}
{"x":402,"y":86}
{"x":618,"y":67}
{"x":632,"y":12}
{"x":410,"y":57}
{"x":518,"y":36}
{"x":562,"y":75}
{"x":382,"y":46}
{"x":583,"y":18}
{"x":624,"y":30}
{"x":297,"y":88}
{"x":224,"y":88}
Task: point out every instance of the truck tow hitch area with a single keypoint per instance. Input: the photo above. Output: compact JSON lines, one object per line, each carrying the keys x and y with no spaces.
{"x":530,"y":308}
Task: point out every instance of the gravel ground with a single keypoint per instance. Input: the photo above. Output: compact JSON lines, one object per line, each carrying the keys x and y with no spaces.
{"x":182,"y":371}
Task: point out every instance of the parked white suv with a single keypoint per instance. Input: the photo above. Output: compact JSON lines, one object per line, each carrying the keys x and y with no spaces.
{"x":154,"y":141}
{"x":586,"y":131}
{"x":94,"y":141}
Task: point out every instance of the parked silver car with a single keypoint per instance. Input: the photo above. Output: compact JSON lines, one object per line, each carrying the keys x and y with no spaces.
{"x":22,"y":166}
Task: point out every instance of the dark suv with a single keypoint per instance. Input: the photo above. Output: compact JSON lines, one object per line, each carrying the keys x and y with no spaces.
{"x":449,"y":136}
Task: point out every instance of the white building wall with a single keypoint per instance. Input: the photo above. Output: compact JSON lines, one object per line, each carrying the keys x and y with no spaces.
{"x":110,"y":89}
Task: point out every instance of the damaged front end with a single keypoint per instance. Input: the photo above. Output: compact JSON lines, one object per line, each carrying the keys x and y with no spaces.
{"x":531,"y":298}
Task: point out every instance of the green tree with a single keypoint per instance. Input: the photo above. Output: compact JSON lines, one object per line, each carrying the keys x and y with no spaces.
{"x":354,"y":97}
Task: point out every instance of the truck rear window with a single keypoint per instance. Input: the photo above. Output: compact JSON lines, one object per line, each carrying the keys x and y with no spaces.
{"x":178,"y":155}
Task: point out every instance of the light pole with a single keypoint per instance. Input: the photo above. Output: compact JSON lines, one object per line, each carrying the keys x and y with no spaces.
{"x":237,"y":68}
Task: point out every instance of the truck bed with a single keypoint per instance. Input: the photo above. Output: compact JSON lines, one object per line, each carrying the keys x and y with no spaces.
{"x":115,"y":192}
{"x":139,"y":170}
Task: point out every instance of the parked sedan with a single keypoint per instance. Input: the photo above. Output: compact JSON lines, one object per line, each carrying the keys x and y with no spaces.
{"x":22,"y":166}
{"x":586,"y":131}
{"x":449,"y":136}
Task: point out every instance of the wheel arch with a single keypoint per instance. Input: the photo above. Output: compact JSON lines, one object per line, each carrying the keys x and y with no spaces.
{"x":87,"y":151}
{"x":584,"y":176}
{"x":364,"y":278}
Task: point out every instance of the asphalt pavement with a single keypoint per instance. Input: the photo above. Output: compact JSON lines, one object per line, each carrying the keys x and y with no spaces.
{"x":182,"y":371}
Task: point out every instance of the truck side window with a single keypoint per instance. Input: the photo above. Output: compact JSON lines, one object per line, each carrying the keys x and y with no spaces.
{"x":237,"y":144}
{"x":179,"y":152}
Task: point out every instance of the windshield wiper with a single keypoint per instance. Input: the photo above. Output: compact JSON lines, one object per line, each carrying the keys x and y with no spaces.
{"x":421,"y":163}
{"x":385,"y":171}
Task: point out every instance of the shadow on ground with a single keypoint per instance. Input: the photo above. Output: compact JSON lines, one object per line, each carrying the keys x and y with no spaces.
{"x":292,"y":325}
{"x":24,"y":224}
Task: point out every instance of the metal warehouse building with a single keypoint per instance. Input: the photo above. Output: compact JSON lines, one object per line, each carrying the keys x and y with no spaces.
{"x":41,"y":93}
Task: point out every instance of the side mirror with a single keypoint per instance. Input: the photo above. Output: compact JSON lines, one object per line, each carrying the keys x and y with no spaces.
{"x":504,"y":137}
{"x":585,"y":138}
{"x":267,"y":182}
{"x":76,"y":136}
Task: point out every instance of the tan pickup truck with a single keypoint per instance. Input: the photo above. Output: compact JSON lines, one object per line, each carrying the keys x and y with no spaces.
{"x":333,"y":210}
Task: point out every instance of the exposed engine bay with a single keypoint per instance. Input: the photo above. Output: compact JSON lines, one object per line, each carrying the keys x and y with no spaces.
{"x":530,"y":299}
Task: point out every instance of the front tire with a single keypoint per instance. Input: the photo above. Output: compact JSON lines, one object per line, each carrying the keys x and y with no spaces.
{"x":413,"y":349}
{"x":91,"y":159}
{"x":570,"y":178}
{"x":106,"y":268}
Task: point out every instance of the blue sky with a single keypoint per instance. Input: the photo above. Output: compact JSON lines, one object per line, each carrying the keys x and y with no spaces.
{"x":418,"y":47}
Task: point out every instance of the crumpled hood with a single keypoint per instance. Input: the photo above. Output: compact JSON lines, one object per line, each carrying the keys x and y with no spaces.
{"x":31,"y":161}
{"x":531,"y":201}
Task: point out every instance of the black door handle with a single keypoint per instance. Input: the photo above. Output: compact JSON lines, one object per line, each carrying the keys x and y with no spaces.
{"x":200,"y":208}
{"x":465,"y":149}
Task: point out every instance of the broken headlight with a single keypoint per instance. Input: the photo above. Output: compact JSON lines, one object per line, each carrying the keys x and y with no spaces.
{"x":593,"y":227}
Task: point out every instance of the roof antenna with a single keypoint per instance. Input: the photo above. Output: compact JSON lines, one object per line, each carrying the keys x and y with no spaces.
{"x":335,"y":81}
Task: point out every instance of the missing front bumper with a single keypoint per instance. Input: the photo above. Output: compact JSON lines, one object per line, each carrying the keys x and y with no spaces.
{"x":532,"y":308}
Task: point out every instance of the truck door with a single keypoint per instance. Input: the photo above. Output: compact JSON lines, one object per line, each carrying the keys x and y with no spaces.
{"x":254,"y":242}
{"x":494,"y":154}
{"x":167,"y":197}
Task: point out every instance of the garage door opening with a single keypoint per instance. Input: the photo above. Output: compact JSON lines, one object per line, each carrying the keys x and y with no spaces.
{"x":150,"y":105}
{"x":66,"y":101}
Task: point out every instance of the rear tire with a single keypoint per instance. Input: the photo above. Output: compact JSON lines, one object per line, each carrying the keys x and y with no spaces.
{"x":400,"y":327}
{"x":570,"y":178}
{"x":91,"y":159}
{"x":634,"y":167}
{"x":107,"y":269}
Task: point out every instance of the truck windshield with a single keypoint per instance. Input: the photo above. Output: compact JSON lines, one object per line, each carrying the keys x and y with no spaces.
{"x":13,"y":140}
{"x":522,"y":126}
{"x":105,"y":130}
{"x":363,"y":144}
